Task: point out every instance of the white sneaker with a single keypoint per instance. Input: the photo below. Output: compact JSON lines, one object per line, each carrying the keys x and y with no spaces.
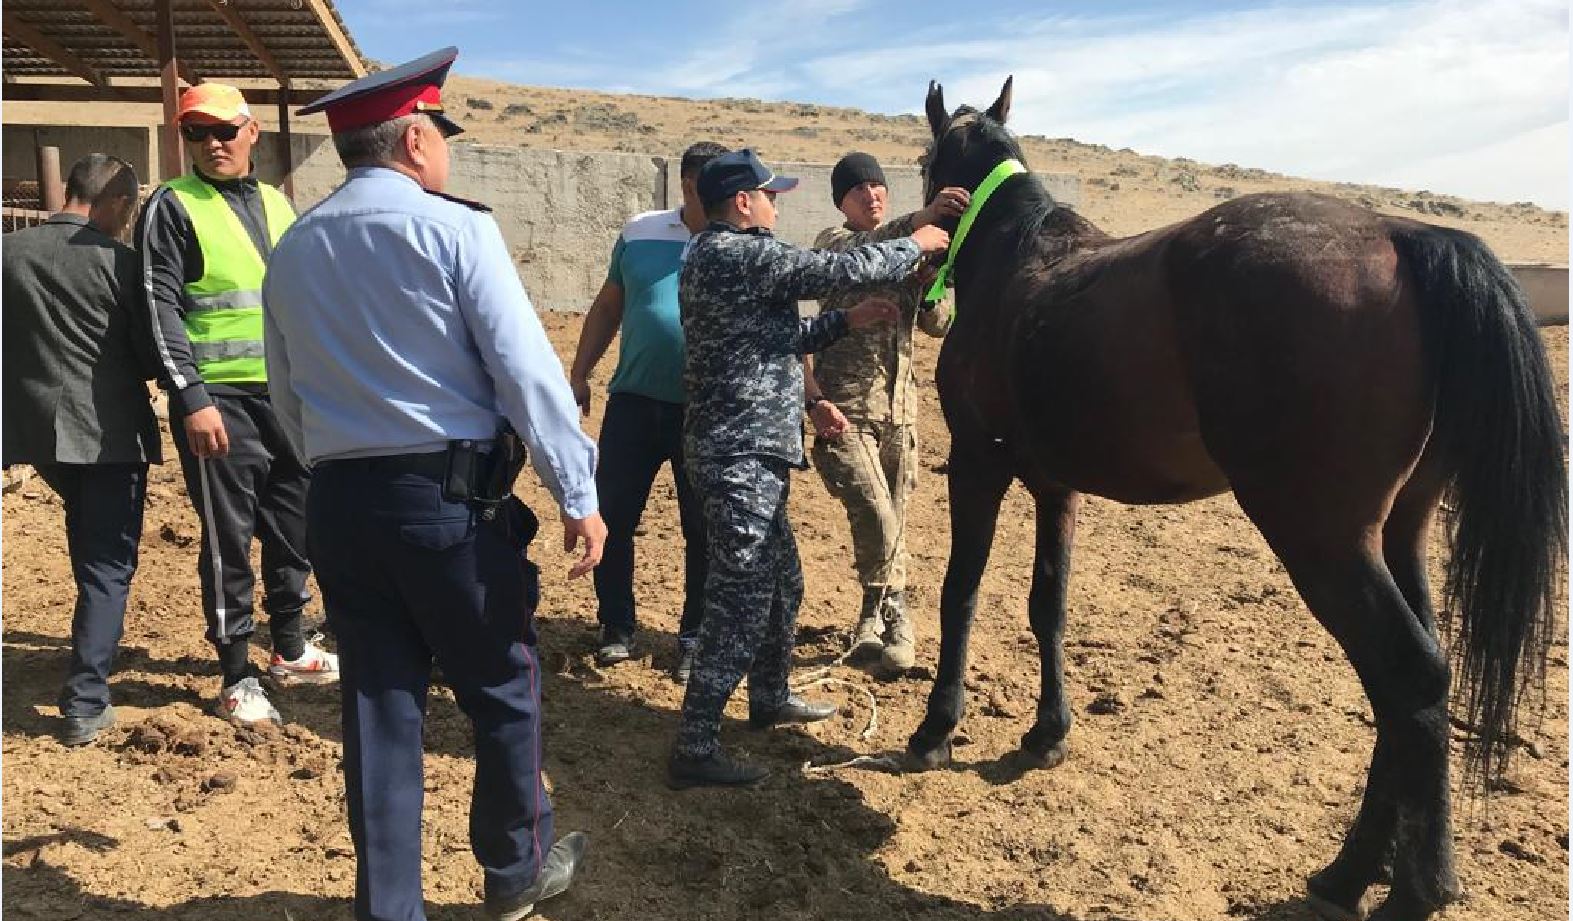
{"x":315,"y":666}
{"x":245,"y":702}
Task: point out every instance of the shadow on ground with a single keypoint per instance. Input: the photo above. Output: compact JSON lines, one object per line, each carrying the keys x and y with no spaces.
{"x":797,"y":847}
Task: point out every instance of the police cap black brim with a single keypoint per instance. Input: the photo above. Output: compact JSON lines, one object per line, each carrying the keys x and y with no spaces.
{"x":444,"y":124}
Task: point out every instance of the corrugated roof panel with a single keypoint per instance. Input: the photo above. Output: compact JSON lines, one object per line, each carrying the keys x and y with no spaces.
{"x":288,"y":29}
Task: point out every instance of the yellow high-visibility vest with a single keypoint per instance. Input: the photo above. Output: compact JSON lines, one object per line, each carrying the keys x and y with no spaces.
{"x":224,"y":309}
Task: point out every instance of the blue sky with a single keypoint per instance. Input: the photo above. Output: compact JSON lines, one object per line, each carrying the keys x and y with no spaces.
{"x":1469,"y":98}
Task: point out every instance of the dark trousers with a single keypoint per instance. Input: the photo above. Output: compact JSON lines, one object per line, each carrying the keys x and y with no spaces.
{"x":257,"y":490}
{"x":409,"y":577}
{"x":752,"y":594}
{"x":638,"y":435}
{"x":103,"y":504}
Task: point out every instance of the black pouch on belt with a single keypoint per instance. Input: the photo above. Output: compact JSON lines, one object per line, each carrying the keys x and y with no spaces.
{"x":465,"y":467}
{"x":501,"y":466}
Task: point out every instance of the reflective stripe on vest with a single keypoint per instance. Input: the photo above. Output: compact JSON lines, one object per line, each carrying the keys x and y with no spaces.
{"x":224,"y":307}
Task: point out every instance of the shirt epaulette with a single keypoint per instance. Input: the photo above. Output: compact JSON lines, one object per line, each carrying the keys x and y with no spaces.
{"x":472,"y":205}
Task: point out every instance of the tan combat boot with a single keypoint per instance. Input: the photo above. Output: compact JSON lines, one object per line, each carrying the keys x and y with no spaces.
{"x":900,"y":653}
{"x":867,"y":642}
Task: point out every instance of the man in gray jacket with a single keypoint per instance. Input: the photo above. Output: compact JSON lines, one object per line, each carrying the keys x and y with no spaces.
{"x":76,"y":408}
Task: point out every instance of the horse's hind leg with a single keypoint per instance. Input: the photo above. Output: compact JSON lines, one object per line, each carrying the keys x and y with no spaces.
{"x":1044,"y":743}
{"x":1367,"y":853}
{"x":977,"y":484}
{"x":1406,"y":534}
{"x":1342,"y":574}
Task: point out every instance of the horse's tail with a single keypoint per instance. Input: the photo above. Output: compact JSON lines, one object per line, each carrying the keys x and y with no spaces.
{"x":1496,"y":416}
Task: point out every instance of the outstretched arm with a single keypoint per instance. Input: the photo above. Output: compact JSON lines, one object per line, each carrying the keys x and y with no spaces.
{"x":600,"y":328}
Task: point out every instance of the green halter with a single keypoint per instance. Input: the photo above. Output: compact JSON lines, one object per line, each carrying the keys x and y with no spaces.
{"x":996,"y":176}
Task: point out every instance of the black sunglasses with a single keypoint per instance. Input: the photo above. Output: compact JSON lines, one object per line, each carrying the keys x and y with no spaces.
{"x":224,"y":132}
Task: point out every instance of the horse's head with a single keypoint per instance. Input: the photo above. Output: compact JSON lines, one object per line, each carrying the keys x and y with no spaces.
{"x":967,"y":143}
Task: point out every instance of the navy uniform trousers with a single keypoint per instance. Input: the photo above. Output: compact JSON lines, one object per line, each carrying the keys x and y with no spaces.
{"x":409,"y":577}
{"x":103,"y":504}
{"x":753,"y":588}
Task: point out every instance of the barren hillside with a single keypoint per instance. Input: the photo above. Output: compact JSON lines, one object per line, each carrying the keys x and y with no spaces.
{"x":1122,"y":191}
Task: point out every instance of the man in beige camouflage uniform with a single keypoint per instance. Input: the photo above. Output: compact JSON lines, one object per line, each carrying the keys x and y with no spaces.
{"x":863,"y":404}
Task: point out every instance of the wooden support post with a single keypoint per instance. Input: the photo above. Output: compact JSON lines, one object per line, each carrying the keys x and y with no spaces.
{"x":51,"y":192}
{"x":341,"y":42}
{"x":286,"y":150}
{"x":170,"y":161}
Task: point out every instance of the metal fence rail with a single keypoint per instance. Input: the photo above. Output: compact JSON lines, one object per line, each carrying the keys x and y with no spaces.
{"x":18,"y":218}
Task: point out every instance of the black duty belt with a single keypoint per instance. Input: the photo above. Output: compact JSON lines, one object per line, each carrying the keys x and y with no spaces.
{"x":433,"y":464}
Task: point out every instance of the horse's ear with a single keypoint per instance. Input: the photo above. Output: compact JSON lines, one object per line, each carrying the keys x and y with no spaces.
{"x":1000,"y":110}
{"x":939,"y":116}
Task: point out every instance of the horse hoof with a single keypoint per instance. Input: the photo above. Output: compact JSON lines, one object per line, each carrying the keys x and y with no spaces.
{"x":1333,"y":906}
{"x":1042,"y":759}
{"x":1332,"y":911}
{"x":927,"y":759}
{"x":1406,"y":906}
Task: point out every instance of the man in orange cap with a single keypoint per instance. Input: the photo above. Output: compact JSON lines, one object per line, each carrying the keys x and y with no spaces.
{"x":205,"y":240}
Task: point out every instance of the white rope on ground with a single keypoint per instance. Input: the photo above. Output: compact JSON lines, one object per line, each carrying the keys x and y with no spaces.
{"x":886,"y":762}
{"x":873,"y":705}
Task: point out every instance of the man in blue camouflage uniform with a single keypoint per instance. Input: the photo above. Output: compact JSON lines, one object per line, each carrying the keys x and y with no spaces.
{"x":743,"y":434}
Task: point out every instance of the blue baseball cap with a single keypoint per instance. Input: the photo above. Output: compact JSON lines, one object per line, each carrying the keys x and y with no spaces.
{"x":738,"y":171}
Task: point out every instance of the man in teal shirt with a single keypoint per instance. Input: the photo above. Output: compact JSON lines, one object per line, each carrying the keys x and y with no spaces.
{"x":643,"y":427}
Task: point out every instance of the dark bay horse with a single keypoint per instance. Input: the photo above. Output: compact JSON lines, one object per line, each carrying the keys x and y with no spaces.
{"x":1339,"y":371}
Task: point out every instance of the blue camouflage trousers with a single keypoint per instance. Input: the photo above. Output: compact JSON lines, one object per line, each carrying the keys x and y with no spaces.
{"x":753,"y":587}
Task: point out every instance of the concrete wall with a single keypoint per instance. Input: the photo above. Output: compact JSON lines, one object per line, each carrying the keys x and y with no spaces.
{"x":807,"y":210}
{"x":560,"y":211}
{"x":1546,"y":286}
{"x":20,"y":142}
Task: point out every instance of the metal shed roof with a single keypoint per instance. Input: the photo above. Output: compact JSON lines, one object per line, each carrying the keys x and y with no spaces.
{"x":96,"y":40}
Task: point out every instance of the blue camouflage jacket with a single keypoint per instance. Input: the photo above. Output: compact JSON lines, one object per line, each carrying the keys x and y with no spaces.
{"x":738,"y":295}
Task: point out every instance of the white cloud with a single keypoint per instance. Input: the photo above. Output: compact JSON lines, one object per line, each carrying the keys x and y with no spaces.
{"x":1460,"y":96}
{"x":1363,"y":93}
{"x":1498,"y":171}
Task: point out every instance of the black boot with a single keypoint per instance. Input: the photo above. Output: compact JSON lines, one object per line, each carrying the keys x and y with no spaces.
{"x":715,"y":770}
{"x":562,"y":861}
{"x":615,"y":645}
{"x":795,"y":710}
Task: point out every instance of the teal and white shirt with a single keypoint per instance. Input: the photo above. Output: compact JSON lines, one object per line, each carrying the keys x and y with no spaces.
{"x":645,"y":264}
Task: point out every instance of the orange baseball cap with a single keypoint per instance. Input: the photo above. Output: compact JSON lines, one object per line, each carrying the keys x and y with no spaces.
{"x":212,"y":101}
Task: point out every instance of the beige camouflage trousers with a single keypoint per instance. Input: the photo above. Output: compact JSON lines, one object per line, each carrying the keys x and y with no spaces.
{"x":871,"y":469}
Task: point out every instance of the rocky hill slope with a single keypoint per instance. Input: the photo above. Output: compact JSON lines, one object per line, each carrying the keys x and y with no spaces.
{"x":1124,"y":192}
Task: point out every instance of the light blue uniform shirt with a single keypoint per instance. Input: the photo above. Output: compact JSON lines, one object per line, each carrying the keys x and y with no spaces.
{"x":394,"y":322}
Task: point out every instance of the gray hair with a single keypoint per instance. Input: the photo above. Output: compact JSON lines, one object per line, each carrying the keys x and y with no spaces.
{"x":372,"y":145}
{"x":98,"y":177}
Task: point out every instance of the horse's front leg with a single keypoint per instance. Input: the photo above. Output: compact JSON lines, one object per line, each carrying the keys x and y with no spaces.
{"x":977,"y":484}
{"x":1044,"y":743}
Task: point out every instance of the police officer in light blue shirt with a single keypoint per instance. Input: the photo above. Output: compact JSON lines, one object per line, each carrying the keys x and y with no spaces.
{"x":404,"y":356}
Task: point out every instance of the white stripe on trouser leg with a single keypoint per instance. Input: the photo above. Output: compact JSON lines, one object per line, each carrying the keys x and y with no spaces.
{"x":210,"y":525}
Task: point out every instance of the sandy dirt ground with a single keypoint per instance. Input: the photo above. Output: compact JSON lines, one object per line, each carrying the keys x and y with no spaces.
{"x":1219,"y":750}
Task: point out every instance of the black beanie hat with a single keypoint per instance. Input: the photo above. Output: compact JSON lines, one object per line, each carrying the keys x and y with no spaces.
{"x":851,"y":171}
